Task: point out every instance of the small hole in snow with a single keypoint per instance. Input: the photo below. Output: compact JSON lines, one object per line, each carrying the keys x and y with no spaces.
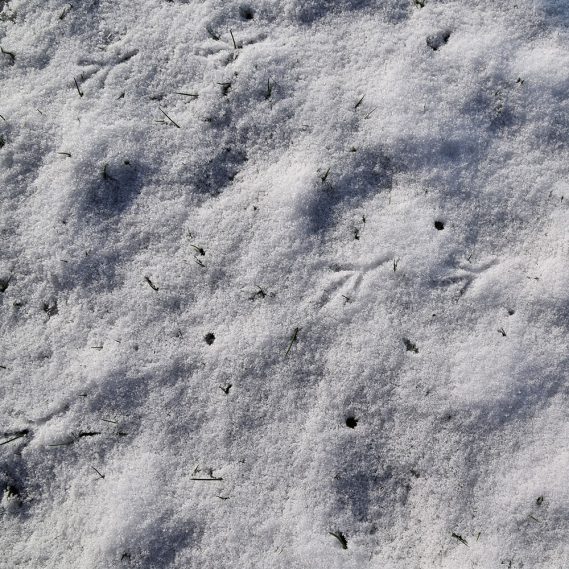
{"x":436,"y":41}
{"x":410,"y":346}
{"x":209,"y":338}
{"x":351,"y":422}
{"x":439,"y":225}
{"x":12,"y":491}
{"x":246,"y":12}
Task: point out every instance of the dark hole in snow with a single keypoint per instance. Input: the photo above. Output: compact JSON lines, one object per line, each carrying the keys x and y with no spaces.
{"x":2,"y":141}
{"x":436,"y":41}
{"x":4,"y":284}
{"x":12,"y":491}
{"x":246,"y":12}
{"x":209,"y":338}
{"x":539,"y":501}
{"x":439,"y":225}
{"x":225,"y":88}
{"x":258,"y":294}
{"x":351,"y":422}
{"x":410,"y":346}
{"x":511,"y":311}
{"x":50,"y":308}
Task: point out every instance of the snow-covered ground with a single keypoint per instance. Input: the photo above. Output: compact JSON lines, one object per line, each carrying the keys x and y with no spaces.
{"x":284,"y":284}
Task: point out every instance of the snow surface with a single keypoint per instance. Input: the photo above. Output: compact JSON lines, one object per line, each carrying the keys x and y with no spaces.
{"x":276,"y":233}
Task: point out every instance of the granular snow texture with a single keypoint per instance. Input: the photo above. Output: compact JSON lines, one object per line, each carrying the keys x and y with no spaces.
{"x":284,"y":284}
